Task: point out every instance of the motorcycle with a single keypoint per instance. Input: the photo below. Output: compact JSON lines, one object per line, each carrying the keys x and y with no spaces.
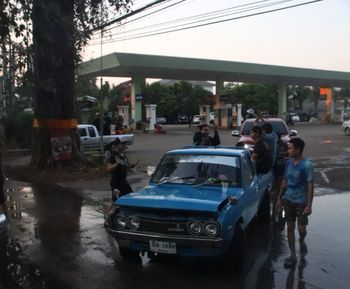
{"x":290,"y":120}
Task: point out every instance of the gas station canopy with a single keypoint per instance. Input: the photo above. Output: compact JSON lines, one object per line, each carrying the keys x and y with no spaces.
{"x":180,"y":68}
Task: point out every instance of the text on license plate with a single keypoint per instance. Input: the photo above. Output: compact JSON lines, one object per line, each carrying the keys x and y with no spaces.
{"x":162,"y":247}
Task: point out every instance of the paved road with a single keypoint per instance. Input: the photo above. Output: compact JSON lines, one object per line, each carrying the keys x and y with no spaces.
{"x":57,"y":239}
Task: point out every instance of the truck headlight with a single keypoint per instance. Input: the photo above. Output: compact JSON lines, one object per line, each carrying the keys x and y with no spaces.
{"x":195,"y":228}
{"x":211,"y":229}
{"x":134,"y":222}
{"x":120,"y":221}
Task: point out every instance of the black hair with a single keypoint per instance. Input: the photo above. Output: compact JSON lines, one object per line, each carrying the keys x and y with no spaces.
{"x":267,"y":127}
{"x":257,"y":129}
{"x":298,"y":143}
{"x":202,"y":126}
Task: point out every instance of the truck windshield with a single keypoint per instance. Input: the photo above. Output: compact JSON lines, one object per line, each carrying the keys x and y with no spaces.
{"x":198,"y":169}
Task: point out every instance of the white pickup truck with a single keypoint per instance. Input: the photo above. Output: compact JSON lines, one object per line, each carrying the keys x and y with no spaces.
{"x":90,"y":138}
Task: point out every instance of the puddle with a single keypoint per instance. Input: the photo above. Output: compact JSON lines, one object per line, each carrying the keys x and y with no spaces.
{"x":16,"y":272}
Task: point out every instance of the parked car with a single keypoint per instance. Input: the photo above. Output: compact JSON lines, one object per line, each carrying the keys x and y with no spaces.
{"x":279,"y":126}
{"x":161,"y":120}
{"x":199,"y":202}
{"x":196,"y":119}
{"x":181,"y":119}
{"x":295,"y":117}
{"x":346,"y":127}
{"x":90,"y":138}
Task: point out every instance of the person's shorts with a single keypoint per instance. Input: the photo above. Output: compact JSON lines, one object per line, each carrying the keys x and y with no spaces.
{"x":294,"y":212}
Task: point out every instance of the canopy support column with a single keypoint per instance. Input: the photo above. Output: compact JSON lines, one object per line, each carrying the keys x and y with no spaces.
{"x":282,"y":101}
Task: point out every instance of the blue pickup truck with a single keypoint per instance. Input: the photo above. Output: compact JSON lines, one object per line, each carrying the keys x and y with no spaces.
{"x":199,"y":202}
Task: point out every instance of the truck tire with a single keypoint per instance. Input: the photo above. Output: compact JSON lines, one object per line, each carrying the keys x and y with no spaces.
{"x":128,"y":254}
{"x":264,"y":209}
{"x":347,"y":131}
{"x":236,"y":255}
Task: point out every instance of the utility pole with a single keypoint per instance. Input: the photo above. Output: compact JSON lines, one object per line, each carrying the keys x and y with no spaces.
{"x":5,"y":76}
{"x":101,"y":85}
{"x":11,"y":71}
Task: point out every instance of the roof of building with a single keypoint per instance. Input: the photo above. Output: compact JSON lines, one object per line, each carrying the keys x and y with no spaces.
{"x":166,"y":67}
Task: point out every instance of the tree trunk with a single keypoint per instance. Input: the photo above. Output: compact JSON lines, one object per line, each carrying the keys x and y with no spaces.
{"x":53,"y":38}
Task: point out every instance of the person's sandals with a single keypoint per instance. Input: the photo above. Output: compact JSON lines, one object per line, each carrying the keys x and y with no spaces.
{"x":290,"y":262}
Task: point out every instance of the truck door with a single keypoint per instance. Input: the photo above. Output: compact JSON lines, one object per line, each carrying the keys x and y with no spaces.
{"x":251,"y":188}
{"x":93,"y":141}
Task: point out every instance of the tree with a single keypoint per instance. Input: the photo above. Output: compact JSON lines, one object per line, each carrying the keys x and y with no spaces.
{"x":300,"y":94}
{"x":172,"y":100}
{"x":59,"y":31}
{"x":260,"y":97}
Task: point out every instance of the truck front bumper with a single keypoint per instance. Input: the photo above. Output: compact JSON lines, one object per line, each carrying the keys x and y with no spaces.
{"x":185,"y":245}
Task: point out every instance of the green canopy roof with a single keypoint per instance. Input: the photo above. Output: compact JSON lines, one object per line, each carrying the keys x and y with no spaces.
{"x":180,"y":68}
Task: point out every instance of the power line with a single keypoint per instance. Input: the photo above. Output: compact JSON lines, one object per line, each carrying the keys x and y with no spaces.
{"x":209,"y":23}
{"x":216,"y":14}
{"x":149,"y":14}
{"x":188,"y":18}
{"x":127,"y":15}
{"x":141,"y":17}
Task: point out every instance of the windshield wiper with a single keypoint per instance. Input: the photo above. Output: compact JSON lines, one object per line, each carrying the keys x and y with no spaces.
{"x":212,"y":181}
{"x":166,"y":181}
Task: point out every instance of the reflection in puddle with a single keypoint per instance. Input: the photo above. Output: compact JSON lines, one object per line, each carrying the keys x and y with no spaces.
{"x":14,"y":209}
{"x":17,"y":273}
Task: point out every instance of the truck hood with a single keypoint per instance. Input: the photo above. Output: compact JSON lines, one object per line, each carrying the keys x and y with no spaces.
{"x":184,"y":197}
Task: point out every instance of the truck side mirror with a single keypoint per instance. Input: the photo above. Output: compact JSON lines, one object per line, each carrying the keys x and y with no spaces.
{"x":233,"y":200}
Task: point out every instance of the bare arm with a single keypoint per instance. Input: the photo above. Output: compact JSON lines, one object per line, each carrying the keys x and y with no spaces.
{"x":254,"y":156}
{"x":281,"y":192}
{"x":310,"y":197}
{"x":111,"y":167}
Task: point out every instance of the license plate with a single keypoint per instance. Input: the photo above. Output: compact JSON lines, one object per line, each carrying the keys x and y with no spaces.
{"x":162,"y":247}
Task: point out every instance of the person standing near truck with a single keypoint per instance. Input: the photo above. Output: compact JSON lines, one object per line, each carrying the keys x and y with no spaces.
{"x":261,"y":154}
{"x":107,"y":121}
{"x":202,"y":137}
{"x":296,"y":196}
{"x":117,"y":166}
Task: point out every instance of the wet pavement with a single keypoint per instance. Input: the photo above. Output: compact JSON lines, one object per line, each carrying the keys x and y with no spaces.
{"x":57,"y":239}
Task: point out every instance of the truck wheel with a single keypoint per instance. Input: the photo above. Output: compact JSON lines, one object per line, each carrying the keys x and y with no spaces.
{"x":128,"y":254}
{"x":347,"y":131}
{"x":238,"y":249}
{"x":264,"y":209}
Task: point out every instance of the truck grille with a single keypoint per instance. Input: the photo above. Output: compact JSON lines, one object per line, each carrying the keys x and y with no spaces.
{"x":167,"y":222}
{"x":163,"y":227}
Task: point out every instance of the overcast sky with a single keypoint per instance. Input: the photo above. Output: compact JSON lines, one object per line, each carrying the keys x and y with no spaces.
{"x":310,"y":36}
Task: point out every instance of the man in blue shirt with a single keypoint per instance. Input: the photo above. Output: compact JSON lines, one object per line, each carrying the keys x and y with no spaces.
{"x":270,"y":137}
{"x":296,"y":196}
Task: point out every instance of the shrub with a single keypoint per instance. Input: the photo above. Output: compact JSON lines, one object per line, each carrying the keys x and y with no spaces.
{"x":18,"y":129}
